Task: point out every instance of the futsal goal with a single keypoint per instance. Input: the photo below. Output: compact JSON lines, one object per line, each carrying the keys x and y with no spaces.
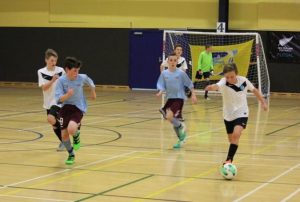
{"x":244,"y":49}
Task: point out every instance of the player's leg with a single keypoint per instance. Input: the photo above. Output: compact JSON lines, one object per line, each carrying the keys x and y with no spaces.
{"x":64,"y":119}
{"x":67,"y":142}
{"x":234,"y":130}
{"x":172,"y":116}
{"x":74,"y":125}
{"x":163,"y":110}
{"x":73,"y":131}
{"x":206,"y":76}
{"x":52,"y":116}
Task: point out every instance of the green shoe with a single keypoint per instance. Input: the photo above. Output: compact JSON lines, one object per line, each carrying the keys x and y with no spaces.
{"x":178,"y":145}
{"x":70,"y":160}
{"x":76,"y":141}
{"x":182,"y":133}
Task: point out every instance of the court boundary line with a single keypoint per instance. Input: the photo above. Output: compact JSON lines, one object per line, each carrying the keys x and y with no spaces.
{"x":66,"y":170}
{"x":210,"y":170}
{"x":114,"y":188}
{"x":266,"y":183}
{"x":291,"y":195}
{"x":37,"y":198}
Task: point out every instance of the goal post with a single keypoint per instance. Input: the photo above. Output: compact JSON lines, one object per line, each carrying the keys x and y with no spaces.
{"x":244,"y":49}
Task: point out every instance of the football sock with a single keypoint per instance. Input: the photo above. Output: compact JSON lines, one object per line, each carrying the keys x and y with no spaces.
{"x":57,"y":130}
{"x":69,"y":147}
{"x":231,"y":152}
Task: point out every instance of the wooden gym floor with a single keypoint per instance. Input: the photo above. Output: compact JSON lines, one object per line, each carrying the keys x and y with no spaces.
{"x":127,"y":152}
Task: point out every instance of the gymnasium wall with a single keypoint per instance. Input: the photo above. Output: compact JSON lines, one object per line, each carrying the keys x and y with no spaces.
{"x":104,"y":52}
{"x":97,"y":31}
{"x":201,"y":14}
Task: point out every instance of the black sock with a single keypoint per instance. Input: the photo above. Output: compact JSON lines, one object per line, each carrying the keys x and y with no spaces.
{"x":231,"y":152}
{"x":206,"y":94}
{"x":57,"y":130}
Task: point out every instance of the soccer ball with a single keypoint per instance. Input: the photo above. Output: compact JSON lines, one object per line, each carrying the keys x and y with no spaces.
{"x":228,"y":171}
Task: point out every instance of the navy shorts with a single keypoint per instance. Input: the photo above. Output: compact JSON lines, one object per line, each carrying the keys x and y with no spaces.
{"x":237,"y":122}
{"x":54,"y":111}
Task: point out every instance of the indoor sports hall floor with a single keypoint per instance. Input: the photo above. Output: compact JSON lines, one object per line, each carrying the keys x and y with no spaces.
{"x":127,"y":152}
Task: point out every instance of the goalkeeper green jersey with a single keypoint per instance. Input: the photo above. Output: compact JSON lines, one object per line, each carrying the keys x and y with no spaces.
{"x":205,"y":62}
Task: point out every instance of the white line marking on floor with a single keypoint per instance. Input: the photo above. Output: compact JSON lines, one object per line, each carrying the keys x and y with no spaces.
{"x":266,"y":183}
{"x":65,"y":170}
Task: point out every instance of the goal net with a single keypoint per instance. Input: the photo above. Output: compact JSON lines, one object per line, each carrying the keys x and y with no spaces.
{"x":244,"y":49}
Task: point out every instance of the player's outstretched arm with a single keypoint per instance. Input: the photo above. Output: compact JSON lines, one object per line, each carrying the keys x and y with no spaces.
{"x":93,"y":93}
{"x":260,"y":98}
{"x":159,"y":93}
{"x":213,"y":87}
{"x":193,"y":97}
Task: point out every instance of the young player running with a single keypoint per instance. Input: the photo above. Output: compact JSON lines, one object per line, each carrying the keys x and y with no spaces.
{"x":69,"y":92}
{"x":47,"y":77}
{"x":173,"y":81}
{"x":181,"y":64}
{"x":235,"y":108}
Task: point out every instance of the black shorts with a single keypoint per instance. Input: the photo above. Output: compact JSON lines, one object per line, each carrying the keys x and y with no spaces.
{"x":175,"y":105}
{"x":69,"y":113}
{"x":54,"y":111}
{"x":237,"y":122}
{"x":205,"y":75}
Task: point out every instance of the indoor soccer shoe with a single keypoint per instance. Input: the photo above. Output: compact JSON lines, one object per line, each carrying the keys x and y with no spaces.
{"x":177,"y":145}
{"x":76,"y":141}
{"x":163,"y":113}
{"x":70,"y":160}
{"x":61,"y":147}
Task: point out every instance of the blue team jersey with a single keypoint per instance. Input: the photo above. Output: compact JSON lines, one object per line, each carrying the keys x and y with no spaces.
{"x":173,"y":83}
{"x":78,"y":98}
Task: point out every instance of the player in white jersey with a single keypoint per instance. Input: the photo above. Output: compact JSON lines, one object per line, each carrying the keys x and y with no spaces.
{"x":234,"y":90}
{"x":181,"y":61}
{"x":47,"y":77}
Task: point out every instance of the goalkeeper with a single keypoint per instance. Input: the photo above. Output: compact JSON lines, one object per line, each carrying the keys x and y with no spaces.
{"x":205,"y":66}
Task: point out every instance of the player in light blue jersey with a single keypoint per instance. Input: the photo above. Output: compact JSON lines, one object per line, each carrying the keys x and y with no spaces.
{"x":69,"y":92}
{"x":173,"y":82}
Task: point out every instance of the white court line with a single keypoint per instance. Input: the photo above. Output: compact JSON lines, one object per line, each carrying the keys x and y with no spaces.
{"x":205,"y":132}
{"x":28,"y":197}
{"x":211,"y":162}
{"x":291,"y":195}
{"x":266,"y":183}
{"x":65,"y":170}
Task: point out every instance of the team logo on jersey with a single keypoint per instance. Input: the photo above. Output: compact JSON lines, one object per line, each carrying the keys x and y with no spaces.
{"x":236,"y":88}
{"x":48,"y":77}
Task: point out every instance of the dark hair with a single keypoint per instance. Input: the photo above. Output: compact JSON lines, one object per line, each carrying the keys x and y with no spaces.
{"x":172,"y":54}
{"x":178,"y":45}
{"x":207,"y":46}
{"x":72,"y":62}
{"x":50,"y":52}
{"x":231,"y":67}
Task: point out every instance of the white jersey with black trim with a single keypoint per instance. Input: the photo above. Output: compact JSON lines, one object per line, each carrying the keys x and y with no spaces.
{"x":235,"y":98}
{"x":181,"y":63}
{"x":45,"y":76}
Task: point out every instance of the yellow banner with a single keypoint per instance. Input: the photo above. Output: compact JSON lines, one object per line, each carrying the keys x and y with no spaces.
{"x":238,"y":53}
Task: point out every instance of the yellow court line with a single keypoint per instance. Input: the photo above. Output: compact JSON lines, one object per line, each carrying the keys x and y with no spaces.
{"x":83,"y":172}
{"x":209,"y":171}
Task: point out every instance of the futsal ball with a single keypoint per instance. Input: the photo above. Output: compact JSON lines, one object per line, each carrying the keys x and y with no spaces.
{"x":228,"y":171}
